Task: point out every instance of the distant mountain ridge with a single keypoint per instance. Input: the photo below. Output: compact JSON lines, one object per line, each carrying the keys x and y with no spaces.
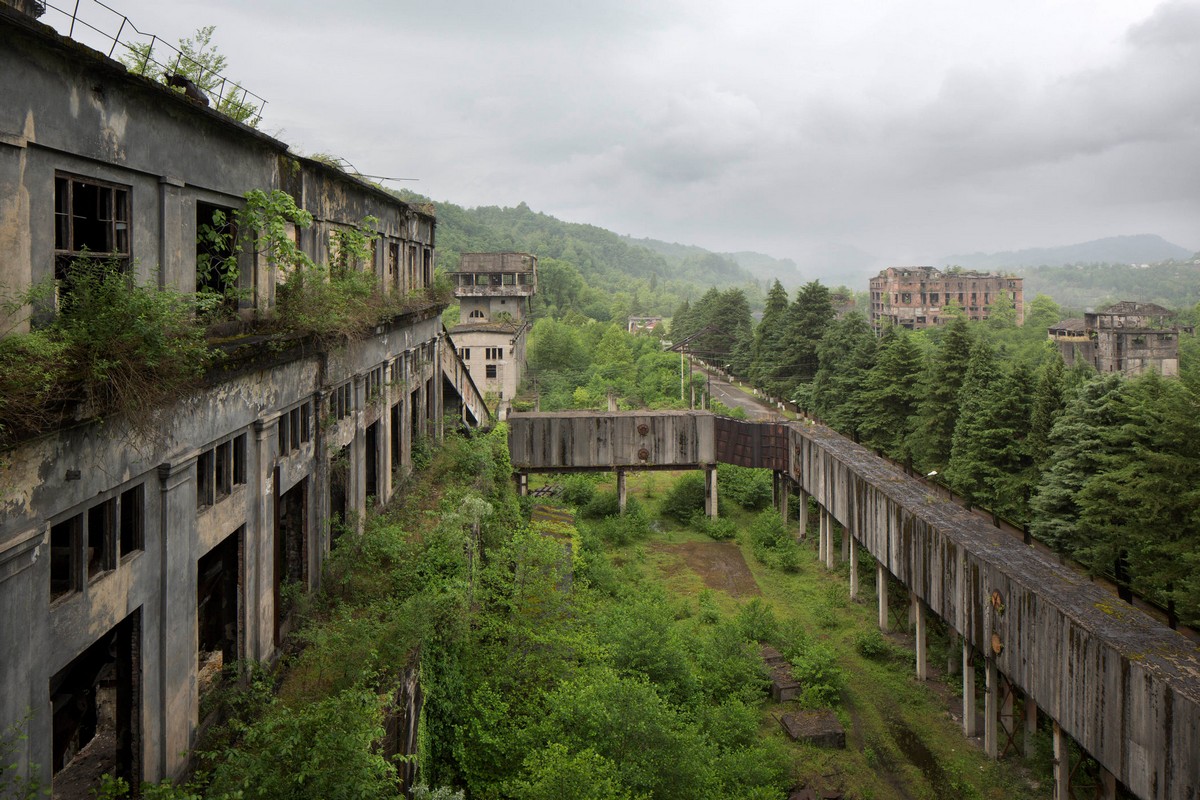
{"x":1138,"y":249}
{"x":760,"y":265}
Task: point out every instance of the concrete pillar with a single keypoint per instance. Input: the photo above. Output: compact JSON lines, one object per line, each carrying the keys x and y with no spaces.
{"x":952,"y":660}
{"x":881,"y":589}
{"x":922,"y":649}
{"x":178,"y":705}
{"x":259,"y":547}
{"x":821,"y":534}
{"x":853,"y":566}
{"x":621,"y":490}
{"x":803,"y":511}
{"x":1062,"y":764}
{"x":710,"y":492}
{"x":970,"y":717}
{"x":990,"y":710}
{"x":828,"y":538}
{"x":1031,"y":724}
{"x":523,"y":485}
{"x":845,"y":544}
{"x":784,"y":491}
{"x":358,"y":455}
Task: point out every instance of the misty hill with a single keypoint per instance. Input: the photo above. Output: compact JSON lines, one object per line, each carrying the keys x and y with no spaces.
{"x":760,"y":266}
{"x":1140,"y":249}
{"x":619,"y":276}
{"x":1172,"y":284}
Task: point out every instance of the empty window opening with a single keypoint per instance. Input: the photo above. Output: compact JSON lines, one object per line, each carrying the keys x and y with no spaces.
{"x":91,"y":221}
{"x":466,"y":354}
{"x":223,"y":464}
{"x":133,"y":520}
{"x":372,"y":460}
{"x":395,"y":432}
{"x":494,"y":353}
{"x":305,"y":422}
{"x":65,"y":545}
{"x":239,"y":459}
{"x":490,"y":371}
{"x":96,"y":714}
{"x":414,"y":406}
{"x":218,"y":598}
{"x":294,"y":428}
{"x":339,"y":493}
{"x":394,"y":264}
{"x":291,"y":552}
{"x":205,"y":492}
{"x":216,"y":254}
{"x":101,"y":538}
{"x":427,"y":267}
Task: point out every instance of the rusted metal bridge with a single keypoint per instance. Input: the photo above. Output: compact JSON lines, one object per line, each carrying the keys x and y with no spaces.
{"x":1124,"y":686}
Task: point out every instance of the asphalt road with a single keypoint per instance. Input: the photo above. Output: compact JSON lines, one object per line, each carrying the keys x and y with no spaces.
{"x":732,"y":396}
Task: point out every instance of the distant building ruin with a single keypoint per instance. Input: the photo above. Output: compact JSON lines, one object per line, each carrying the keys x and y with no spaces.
{"x":1126,"y":337}
{"x":643,"y":324}
{"x":918,"y":297}
{"x":494,"y":291}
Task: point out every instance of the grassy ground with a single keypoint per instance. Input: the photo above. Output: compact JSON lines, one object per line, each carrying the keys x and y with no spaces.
{"x":902,"y":741}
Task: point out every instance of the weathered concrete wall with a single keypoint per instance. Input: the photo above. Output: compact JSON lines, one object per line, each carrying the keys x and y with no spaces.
{"x":1124,"y":686}
{"x":595,"y":440}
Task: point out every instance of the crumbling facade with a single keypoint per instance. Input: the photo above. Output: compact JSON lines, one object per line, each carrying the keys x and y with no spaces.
{"x":135,"y":565}
{"x":1126,"y":337}
{"x":494,"y":291}
{"x":917,"y":297}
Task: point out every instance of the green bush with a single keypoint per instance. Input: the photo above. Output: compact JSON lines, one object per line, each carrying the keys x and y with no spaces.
{"x":749,"y":488}
{"x":772,"y":542}
{"x":578,"y":489}
{"x":817,"y":671}
{"x":871,"y":644}
{"x":685,"y":499}
{"x":602,"y":504}
{"x":622,"y":529}
{"x":757,"y":621}
{"x":721,"y":528}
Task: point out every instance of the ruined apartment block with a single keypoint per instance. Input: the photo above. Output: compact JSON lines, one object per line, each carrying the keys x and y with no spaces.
{"x":494,"y":291}
{"x":1126,"y":337}
{"x":917,"y":297}
{"x":134,"y":568}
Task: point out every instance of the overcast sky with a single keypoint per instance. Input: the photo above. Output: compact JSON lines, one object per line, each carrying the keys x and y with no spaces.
{"x":907,"y":129}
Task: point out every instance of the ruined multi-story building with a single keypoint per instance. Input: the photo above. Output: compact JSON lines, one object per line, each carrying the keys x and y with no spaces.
{"x":1126,"y":337}
{"x":917,"y":297}
{"x":494,"y":291}
{"x":134,"y":564}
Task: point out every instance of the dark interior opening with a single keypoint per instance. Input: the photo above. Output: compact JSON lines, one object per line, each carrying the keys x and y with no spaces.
{"x":96,"y":701}
{"x":372,"y":460}
{"x":291,"y":551}
{"x":218,"y":579}
{"x":216,"y":253}
{"x":64,"y":549}
{"x":339,"y":493}
{"x":397,"y":421}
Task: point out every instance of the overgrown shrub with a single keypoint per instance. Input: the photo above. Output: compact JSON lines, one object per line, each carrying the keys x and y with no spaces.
{"x":772,"y":542}
{"x":756,"y":620}
{"x":871,"y":644}
{"x":578,"y":488}
{"x":721,"y":528}
{"x":602,"y":504}
{"x":685,"y":498}
{"x":749,"y":488}
{"x":622,"y":529}
{"x":817,"y":670}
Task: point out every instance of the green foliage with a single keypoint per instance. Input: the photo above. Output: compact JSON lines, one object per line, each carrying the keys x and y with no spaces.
{"x":685,"y":499}
{"x":772,"y":542}
{"x":816,"y":668}
{"x":578,"y":488}
{"x":721,"y":529}
{"x":601,"y":504}
{"x":622,"y":529}
{"x":749,"y":488}
{"x":14,"y":784}
{"x":756,"y":621}
{"x":554,"y":772}
{"x":870,"y":644}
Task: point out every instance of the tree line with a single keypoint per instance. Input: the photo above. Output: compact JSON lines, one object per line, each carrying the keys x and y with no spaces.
{"x":1101,"y":467}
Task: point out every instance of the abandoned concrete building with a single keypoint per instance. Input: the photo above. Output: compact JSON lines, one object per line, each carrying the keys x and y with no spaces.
{"x":917,"y":297}
{"x":494,"y":291}
{"x":133,"y":566}
{"x":1126,"y":337}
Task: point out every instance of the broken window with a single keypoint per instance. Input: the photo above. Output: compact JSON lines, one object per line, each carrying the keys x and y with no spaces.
{"x":490,"y":371}
{"x":91,"y":221}
{"x":217,"y":600}
{"x":371,"y":474}
{"x":205,"y":491}
{"x":216,"y":254}
{"x":223,"y":464}
{"x":239,"y":459}
{"x":65,"y":545}
{"x":466,"y":354}
{"x":133,"y":520}
{"x":477,"y":314}
{"x":101,"y":538}
{"x":427,"y":267}
{"x":394,"y":264}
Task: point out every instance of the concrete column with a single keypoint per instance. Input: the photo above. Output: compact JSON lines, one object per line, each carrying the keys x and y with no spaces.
{"x":853,"y":566}
{"x":845,"y":544}
{"x":406,"y":413}
{"x":952,"y":661}
{"x":710,"y":492}
{"x":803,"y":510}
{"x":178,"y":705}
{"x":828,"y":518}
{"x":881,"y":589}
{"x":990,"y":711}
{"x":1031,"y":724}
{"x":784,"y":491}
{"x":523,"y":485}
{"x":621,"y":490}
{"x":259,"y":547}
{"x":358,"y":455}
{"x":821,"y":534}
{"x":1062,"y":764}
{"x":922,"y":649}
{"x":384,"y":440}
{"x":970,"y":717}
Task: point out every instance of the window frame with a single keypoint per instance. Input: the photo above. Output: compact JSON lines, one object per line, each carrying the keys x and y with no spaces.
{"x":119,"y":224}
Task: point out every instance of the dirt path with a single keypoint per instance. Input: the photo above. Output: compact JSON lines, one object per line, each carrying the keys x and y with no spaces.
{"x":720,"y":564}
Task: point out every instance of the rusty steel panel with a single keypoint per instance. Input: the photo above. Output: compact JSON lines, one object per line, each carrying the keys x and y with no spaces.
{"x":751,"y":444}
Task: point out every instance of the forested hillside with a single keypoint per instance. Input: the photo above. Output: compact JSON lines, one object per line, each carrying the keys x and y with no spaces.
{"x":582,"y":267}
{"x":1173,"y":284}
{"x":1143,"y":249}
